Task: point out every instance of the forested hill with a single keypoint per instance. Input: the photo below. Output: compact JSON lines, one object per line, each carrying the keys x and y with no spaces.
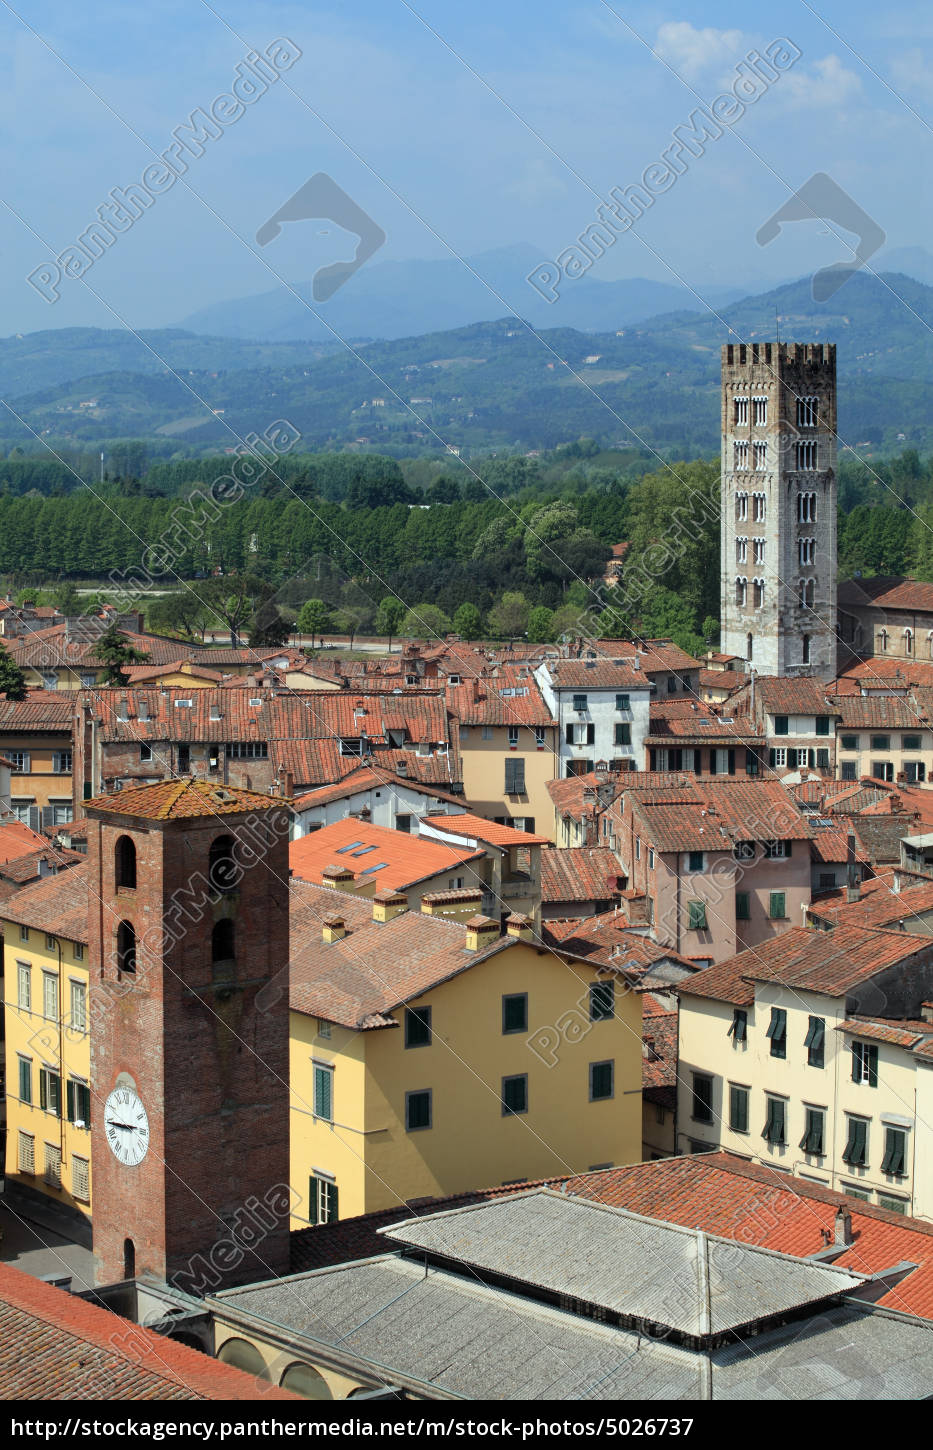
{"x":491,"y":386}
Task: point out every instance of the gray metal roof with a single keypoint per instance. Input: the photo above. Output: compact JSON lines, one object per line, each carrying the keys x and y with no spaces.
{"x":453,"y":1336}
{"x":640,"y":1267}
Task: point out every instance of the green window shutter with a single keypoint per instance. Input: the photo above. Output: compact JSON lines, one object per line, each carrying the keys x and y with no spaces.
{"x":780,"y":724}
{"x":894,"y":1151}
{"x":697,"y":916}
{"x":25,"y":1081}
{"x":312,"y":1200}
{"x":822,"y":724}
{"x":70,"y":1100}
{"x":872,"y":1067}
{"x":323,"y":1094}
{"x":738,"y":1109}
{"x":84,"y":1103}
{"x":602,"y":1001}
{"x":43,"y":1088}
{"x":776,"y":905}
{"x":742,"y":906}
{"x":333,"y":1210}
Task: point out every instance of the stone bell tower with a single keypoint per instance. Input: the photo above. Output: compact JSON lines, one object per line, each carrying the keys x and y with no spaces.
{"x":779,"y":573}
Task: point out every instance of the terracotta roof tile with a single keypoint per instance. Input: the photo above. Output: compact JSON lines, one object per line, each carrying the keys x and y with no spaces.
{"x":888,"y":592}
{"x":57,"y":1346}
{"x":898,"y":1034}
{"x":490,"y":832}
{"x":16,"y":840}
{"x":485,"y":701}
{"x":711,"y":813}
{"x":579,"y":873}
{"x":365,"y":778}
{"x":880,"y":908}
{"x":878,"y":712}
{"x":57,"y":904}
{"x":173,"y":800}
{"x":402,"y":859}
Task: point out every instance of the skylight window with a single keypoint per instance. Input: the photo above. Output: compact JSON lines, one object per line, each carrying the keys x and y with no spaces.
{"x":342,"y":849}
{"x":364,"y":850}
{"x":370,"y":869}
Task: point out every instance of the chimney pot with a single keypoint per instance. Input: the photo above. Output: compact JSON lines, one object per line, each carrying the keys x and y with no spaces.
{"x":843,"y":1227}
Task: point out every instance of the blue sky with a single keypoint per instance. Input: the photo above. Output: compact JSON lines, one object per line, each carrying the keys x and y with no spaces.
{"x":407,"y":123}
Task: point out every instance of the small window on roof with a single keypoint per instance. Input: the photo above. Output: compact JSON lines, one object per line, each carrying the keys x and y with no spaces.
{"x":183,"y":704}
{"x":342,"y":849}
{"x":363,"y":850}
{"x":370,"y":869}
{"x":256,"y":700}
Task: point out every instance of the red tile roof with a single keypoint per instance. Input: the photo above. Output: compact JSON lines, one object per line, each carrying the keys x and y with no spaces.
{"x":173,"y":800}
{"x":600,"y":674}
{"x":880,"y":908}
{"x":655,"y":654}
{"x":832,"y":962}
{"x":493,"y":700}
{"x":888,"y":592}
{"x":879,"y":712}
{"x":830,"y":845}
{"x":366,"y":778}
{"x":580,"y":873}
{"x":489,"y":832}
{"x":57,"y":904}
{"x":608,"y":940}
{"x":29,"y":867}
{"x":56,"y":1346}
{"x":41,"y":710}
{"x":782,"y":695}
{"x":711,"y":813}
{"x":403,"y":859}
{"x":359,"y":979}
{"x":897,"y":1033}
{"x":16,"y":840}
{"x":659,"y":1059}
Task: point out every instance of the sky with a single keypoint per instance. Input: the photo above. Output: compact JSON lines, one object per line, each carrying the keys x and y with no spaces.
{"x":457,"y":129}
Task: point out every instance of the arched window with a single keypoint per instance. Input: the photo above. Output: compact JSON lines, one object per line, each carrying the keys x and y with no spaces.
{"x":222,"y":869}
{"x":741,"y":591}
{"x":805,"y":593}
{"x":125,"y":862}
{"x":908,"y":641}
{"x":304,"y":1380}
{"x":129,"y":1259}
{"x":883,"y":640}
{"x":243,"y":1355}
{"x":805,"y":643}
{"x":223,"y":941}
{"x":126,"y":947}
{"x":758,"y":594}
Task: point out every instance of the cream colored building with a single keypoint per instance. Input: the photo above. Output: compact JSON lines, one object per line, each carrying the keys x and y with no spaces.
{"x":508,"y":747}
{"x":782,"y":1061}
{"x":887,"y":737}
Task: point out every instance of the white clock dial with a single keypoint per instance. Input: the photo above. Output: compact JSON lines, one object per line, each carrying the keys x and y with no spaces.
{"x":126,"y":1124}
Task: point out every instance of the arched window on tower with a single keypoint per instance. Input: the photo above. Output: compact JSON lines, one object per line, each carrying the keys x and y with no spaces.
{"x":223,"y":941}
{"x":222,"y":869}
{"x":125,"y":862}
{"x":883,"y":641}
{"x":741,"y":591}
{"x":126,"y":947}
{"x":908,"y":641}
{"x":129,"y":1259}
{"x":758,"y":593}
{"x":805,"y":645}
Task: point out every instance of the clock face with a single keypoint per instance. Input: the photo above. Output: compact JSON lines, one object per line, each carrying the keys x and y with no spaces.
{"x":127,"y":1126}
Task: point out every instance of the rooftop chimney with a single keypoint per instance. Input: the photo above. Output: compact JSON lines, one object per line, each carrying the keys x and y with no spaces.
{"x":481,"y":932}
{"x":333,"y":928}
{"x":387,"y":905}
{"x":843,"y":1228}
{"x":340,"y":876}
{"x":519,"y":927}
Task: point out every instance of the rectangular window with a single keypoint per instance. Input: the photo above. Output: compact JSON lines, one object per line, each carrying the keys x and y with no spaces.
{"x":61,"y":762}
{"x":777,"y":906}
{"x":911,"y":742}
{"x":515,"y":1094}
{"x":813,"y":1134}
{"x":775,"y":1129}
{"x":53,"y":1165}
{"x":781,"y":724}
{"x":847,"y":770}
{"x":513,"y":735}
{"x":623,"y":733}
{"x":27,"y":1153}
{"x":259,"y":749}
{"x":623,"y":702}
{"x":514,"y":777}
{"x":695,"y":861}
{"x":893,"y":1205}
{"x":515,"y":1012}
{"x":24,"y":986}
{"x":742,"y":906}
{"x":855,"y":1152}
{"x":738,"y":1108}
{"x":822,"y":758}
{"x":849,"y":742}
{"x":702,"y":1110}
{"x":739,"y":1029}
{"x":881,"y":742}
{"x":145,"y":752}
{"x":50,"y":996}
{"x":916,"y":772}
{"x":417,"y":1027}
{"x":81,"y":1179}
{"x":323,"y":1199}
{"x":78,"y":1102}
{"x":895,"y":1152}
{"x":822,"y":724}
{"x":602,"y":1080}
{"x":865,"y":1063}
{"x":25,"y":1079}
{"x":761,"y":411}
{"x":324,"y":1093}
{"x":696,"y":916}
{"x":418,"y":1110}
{"x":579,"y":702}
{"x":777,"y":1032}
{"x":602,"y":1001}
{"x":882,"y":769}
{"x":50,"y":1091}
{"x":814,"y":1041}
{"x":19,"y":759}
{"x":741,"y":410}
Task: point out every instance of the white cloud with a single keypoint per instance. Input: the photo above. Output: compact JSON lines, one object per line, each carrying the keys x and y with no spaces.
{"x":692,"y":52}
{"x":537,"y":182}
{"x":826,"y":84}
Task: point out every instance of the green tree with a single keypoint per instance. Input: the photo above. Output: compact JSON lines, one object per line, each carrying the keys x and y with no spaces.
{"x":313,"y":618}
{"x":425,"y":621}
{"x":12,"y":679}
{"x":180,"y":612}
{"x":350,"y":619}
{"x":269,"y":628}
{"x":116,"y":652}
{"x":235,"y":599}
{"x":509,"y":616}
{"x":468,"y":622}
{"x":389,"y":616}
{"x":541,"y":625}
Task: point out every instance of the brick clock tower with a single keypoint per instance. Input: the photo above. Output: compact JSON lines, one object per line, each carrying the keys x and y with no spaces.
{"x":779,"y":575}
{"x":189,"y":1043}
